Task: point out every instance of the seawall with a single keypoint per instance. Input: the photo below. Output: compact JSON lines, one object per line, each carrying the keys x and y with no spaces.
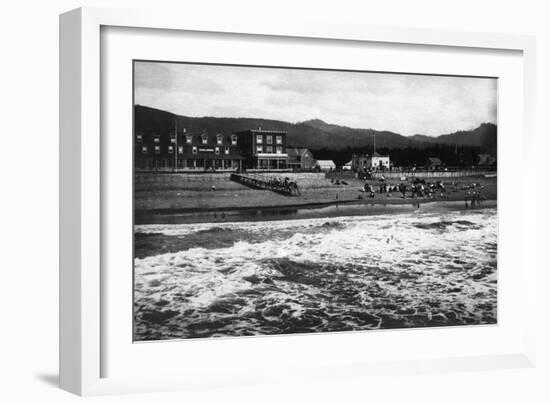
{"x":204,"y":181}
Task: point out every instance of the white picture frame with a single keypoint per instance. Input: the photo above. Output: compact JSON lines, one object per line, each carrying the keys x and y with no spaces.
{"x":82,"y":187}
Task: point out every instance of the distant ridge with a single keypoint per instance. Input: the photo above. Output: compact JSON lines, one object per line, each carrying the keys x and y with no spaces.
{"x":315,"y":133}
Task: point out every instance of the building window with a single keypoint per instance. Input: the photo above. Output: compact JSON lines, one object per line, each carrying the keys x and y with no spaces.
{"x":188,"y":139}
{"x":217,"y":150}
{"x":194,"y":149}
{"x":279,"y":150}
{"x":234,"y":140}
{"x":204,"y":140}
{"x":269,"y":149}
{"x":279,"y":139}
{"x":157,"y":149}
{"x":219,"y":139}
{"x":156,"y":139}
{"x":259,"y":149}
{"x":180,"y":149}
{"x":227,"y":150}
{"x":269,"y":139}
{"x":144,"y":149}
{"x":139,"y":137}
{"x":170,"y":149}
{"x":259,"y":139}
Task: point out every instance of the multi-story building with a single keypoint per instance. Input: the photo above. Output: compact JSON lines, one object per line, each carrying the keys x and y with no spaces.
{"x":263,"y":149}
{"x":187,"y":151}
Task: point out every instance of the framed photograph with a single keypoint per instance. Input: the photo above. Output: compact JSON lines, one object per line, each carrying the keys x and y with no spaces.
{"x":238,"y":197}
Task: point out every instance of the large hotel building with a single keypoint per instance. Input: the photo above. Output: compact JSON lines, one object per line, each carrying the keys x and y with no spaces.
{"x":264,"y":149}
{"x":248,"y":149}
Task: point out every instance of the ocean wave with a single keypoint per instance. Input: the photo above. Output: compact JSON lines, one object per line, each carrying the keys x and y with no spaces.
{"x":342,"y":273}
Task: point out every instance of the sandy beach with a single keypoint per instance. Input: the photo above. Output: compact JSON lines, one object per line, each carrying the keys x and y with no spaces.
{"x":157,"y":205}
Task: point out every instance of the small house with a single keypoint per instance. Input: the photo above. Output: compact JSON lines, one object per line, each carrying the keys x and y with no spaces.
{"x":300,"y":159}
{"x":380,"y":161}
{"x":325,"y":165}
{"x":434,"y":163}
{"x":363,"y":162}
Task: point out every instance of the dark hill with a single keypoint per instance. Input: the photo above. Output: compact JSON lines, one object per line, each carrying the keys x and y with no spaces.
{"x":314,"y":134}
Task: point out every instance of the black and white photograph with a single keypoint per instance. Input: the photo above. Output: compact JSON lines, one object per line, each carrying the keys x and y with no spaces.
{"x":271,"y":200}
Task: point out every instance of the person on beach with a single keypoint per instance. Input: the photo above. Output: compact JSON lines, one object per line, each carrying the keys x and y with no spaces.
{"x":368,"y":189}
{"x":285,"y":183}
{"x":416,"y":191}
{"x":294,"y":187}
{"x":403,"y":190}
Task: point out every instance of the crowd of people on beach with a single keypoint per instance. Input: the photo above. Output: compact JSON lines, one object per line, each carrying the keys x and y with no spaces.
{"x":286,"y":184}
{"x":418,"y":188}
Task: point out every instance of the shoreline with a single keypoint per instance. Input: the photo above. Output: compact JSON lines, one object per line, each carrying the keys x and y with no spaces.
{"x":232,"y":201}
{"x":332,"y":208}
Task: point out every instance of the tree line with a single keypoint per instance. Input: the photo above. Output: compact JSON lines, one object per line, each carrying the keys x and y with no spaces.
{"x":450,"y":155}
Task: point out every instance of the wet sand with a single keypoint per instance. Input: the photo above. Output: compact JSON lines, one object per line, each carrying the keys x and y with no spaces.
{"x":342,"y":209}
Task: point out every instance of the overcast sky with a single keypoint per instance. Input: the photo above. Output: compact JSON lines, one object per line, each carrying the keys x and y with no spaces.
{"x":406,"y":104}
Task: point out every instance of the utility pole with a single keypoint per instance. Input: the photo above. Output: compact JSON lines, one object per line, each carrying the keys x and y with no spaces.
{"x":374,"y":146}
{"x":175,"y":144}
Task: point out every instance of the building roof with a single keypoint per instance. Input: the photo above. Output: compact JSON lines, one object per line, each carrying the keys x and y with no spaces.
{"x":273,"y":156}
{"x":369,"y":156}
{"x":260,"y":130}
{"x":326,"y":163}
{"x":296,"y":152}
